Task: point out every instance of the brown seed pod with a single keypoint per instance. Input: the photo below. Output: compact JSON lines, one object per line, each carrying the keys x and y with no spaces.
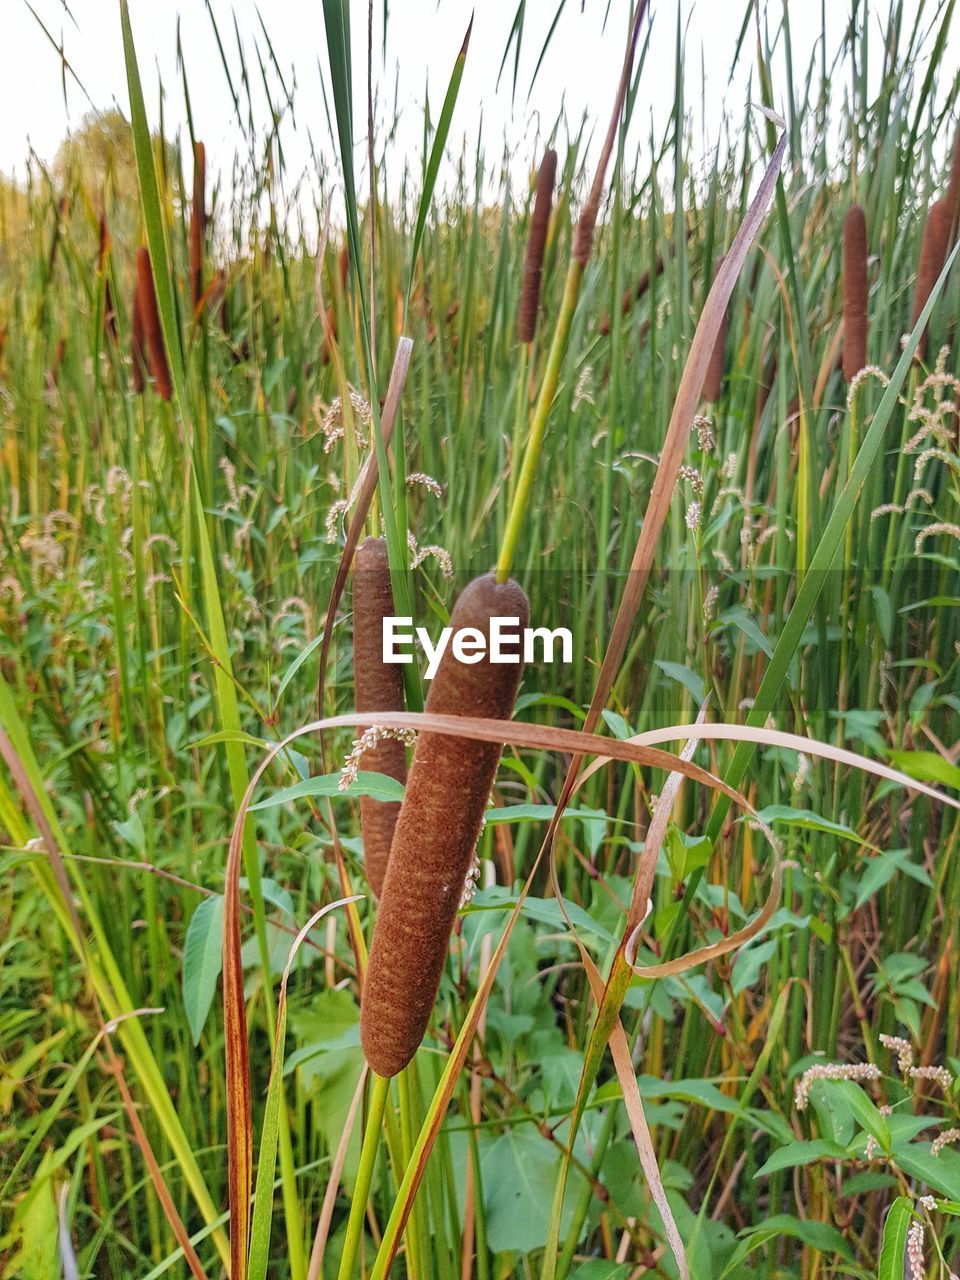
{"x":109,"y":310}
{"x":713,"y":383}
{"x":435,"y":837}
{"x":933,"y":252}
{"x":536,"y":243}
{"x":198,"y":222}
{"x":953,"y":188}
{"x":138,"y":361}
{"x":854,"y":291}
{"x":150,"y":314}
{"x":378,"y":686}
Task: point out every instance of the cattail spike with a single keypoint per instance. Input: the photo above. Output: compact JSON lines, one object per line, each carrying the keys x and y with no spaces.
{"x":933,"y":253}
{"x":150,"y":316}
{"x":536,"y":243}
{"x":713,"y":383}
{"x":198,"y":222}
{"x":109,"y":310}
{"x":138,"y":359}
{"x":435,"y":837}
{"x":854,"y":292}
{"x":378,"y":686}
{"x":953,"y":187}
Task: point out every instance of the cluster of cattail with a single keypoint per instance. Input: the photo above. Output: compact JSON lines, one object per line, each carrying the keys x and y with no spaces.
{"x":150,"y":330}
{"x":713,"y":382}
{"x":434,"y":840}
{"x":536,"y":244}
{"x":854,"y":292}
{"x":378,"y":686}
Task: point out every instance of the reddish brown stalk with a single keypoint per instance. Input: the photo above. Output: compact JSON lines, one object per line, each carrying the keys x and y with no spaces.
{"x":198,"y":222}
{"x":536,"y":243}
{"x":150,"y":314}
{"x":933,"y":253}
{"x":587,"y":222}
{"x":713,"y":382}
{"x":378,"y":686}
{"x":436,"y":836}
{"x":854,"y":292}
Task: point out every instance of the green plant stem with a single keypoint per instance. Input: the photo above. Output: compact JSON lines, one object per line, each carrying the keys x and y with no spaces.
{"x":379,"y":1093}
{"x":538,"y":428}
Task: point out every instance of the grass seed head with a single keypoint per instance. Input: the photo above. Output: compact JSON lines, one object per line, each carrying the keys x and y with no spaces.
{"x":854,"y":292}
{"x":378,"y":686}
{"x":435,"y":837}
{"x":536,"y":243}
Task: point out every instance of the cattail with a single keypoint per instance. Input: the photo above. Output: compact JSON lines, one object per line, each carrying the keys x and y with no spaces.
{"x":953,"y":188}
{"x":150,"y":318}
{"x":138,"y":361}
{"x":436,"y":834}
{"x":713,"y":383}
{"x":198,"y":222}
{"x":854,"y":292}
{"x":378,"y":687}
{"x":533,"y":264}
{"x":344,"y":266}
{"x":109,"y":311}
{"x":933,"y":252}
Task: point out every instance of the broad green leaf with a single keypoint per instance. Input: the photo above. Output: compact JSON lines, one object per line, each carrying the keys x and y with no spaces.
{"x":800,"y":1153}
{"x":202,"y":957}
{"x":894,"y":1242}
{"x":377,"y":785}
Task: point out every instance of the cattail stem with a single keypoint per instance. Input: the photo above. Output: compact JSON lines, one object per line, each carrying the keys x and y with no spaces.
{"x":436,"y":835}
{"x":538,"y":427}
{"x":378,"y":686}
{"x":854,"y":292}
{"x":579,"y":257}
{"x":536,"y":243}
{"x":379,"y":1093}
{"x":150,"y":315}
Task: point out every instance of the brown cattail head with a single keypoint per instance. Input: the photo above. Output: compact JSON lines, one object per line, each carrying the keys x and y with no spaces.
{"x":198,"y":222}
{"x":933,"y":253}
{"x":138,"y":362}
{"x":953,"y":187}
{"x":109,"y":310}
{"x":150,"y":317}
{"x":435,"y":837}
{"x":344,"y":266}
{"x":536,"y":243}
{"x":854,"y":292}
{"x":378,"y":686}
{"x":713,"y":383}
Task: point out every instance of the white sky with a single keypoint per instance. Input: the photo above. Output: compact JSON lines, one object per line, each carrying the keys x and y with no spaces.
{"x":581,"y":68}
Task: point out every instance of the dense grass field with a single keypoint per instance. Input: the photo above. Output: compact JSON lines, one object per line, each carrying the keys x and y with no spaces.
{"x":734,"y":527}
